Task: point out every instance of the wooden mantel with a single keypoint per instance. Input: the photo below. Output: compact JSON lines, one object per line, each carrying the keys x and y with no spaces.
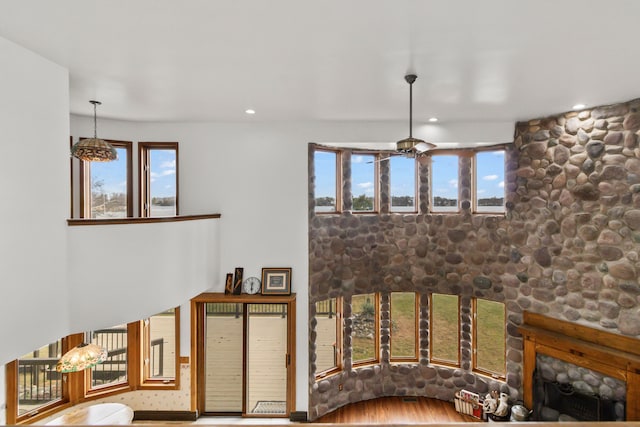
{"x":613,"y":355}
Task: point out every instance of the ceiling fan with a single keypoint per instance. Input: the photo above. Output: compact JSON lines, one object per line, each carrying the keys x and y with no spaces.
{"x":412,"y":145}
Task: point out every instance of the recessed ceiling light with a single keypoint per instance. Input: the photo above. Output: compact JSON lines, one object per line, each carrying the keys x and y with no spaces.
{"x":578,"y":106}
{"x":250,"y":111}
{"x":433,"y":119}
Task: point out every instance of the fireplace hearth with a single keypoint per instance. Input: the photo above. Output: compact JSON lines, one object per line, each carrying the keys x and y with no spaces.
{"x":601,"y":380}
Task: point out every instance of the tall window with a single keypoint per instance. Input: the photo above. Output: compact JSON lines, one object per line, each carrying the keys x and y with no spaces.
{"x":158,"y":178}
{"x":489,"y":181}
{"x":489,"y":336}
{"x":404,"y":326}
{"x":106,"y":187}
{"x":444,"y":183}
{"x":160,"y":341}
{"x":444,"y":329}
{"x":364,"y":326}
{"x":326,"y":186}
{"x":403,"y":184}
{"x":364,"y":182}
{"x":328,"y":336}
{"x":112,"y":371}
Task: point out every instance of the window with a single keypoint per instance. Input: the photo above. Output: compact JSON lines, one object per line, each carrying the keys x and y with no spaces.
{"x":403,"y":184}
{"x":158,"y":178}
{"x":38,"y":385}
{"x":328,"y":336}
{"x":444,"y":329}
{"x":326,"y":181}
{"x":160,"y":347}
{"x":404,"y":326}
{"x":106,"y":188}
{"x":112,"y":371}
{"x":364,"y":182}
{"x":364,"y":328}
{"x":489,"y":181}
{"x":35,"y":389}
{"x":489,"y":337}
{"x":444,"y":183}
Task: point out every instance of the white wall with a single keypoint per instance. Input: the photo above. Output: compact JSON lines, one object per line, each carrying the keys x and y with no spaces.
{"x":122,"y":273}
{"x":255,"y":175}
{"x":34,"y":184}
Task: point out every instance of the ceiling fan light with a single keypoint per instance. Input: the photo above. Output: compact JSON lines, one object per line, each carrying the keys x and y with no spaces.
{"x":423,"y":146}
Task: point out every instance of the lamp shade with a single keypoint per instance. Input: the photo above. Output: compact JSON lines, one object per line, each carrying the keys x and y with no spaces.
{"x":94,"y":150}
{"x":81,"y":357}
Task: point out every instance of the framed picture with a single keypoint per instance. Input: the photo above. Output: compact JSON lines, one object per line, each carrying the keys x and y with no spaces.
{"x":237,"y":280}
{"x":228,"y":284}
{"x":276,"y":281}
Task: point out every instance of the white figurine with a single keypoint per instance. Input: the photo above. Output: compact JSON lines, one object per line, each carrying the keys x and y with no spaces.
{"x":503,"y":406}
{"x":490,"y":404}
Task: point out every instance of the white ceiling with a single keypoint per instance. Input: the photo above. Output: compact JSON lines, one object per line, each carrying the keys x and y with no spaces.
{"x":476,"y":60}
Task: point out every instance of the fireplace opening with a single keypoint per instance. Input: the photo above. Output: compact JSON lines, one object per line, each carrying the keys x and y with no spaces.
{"x":565,"y":392}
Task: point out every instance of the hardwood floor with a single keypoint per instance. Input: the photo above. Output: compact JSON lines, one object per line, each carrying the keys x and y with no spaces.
{"x":397,"y":410}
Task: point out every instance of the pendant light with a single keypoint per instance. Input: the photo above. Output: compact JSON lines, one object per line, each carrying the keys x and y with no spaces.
{"x":81,"y":357}
{"x":94,"y":149}
{"x":411,"y":144}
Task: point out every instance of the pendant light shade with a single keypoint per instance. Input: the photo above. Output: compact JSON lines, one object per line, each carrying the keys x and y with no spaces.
{"x":94,"y":149}
{"x":81,"y":357}
{"x":411,"y":144}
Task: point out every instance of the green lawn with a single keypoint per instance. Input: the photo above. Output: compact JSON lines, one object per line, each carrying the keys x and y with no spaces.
{"x":444,"y":341}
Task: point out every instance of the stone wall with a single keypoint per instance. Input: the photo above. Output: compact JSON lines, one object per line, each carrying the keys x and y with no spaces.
{"x":567,"y":247}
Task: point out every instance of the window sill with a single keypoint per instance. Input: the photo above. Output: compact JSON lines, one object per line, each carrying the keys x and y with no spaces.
{"x":112,"y":221}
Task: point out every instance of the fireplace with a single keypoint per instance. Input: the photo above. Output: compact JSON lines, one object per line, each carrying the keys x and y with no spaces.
{"x":571,"y":371}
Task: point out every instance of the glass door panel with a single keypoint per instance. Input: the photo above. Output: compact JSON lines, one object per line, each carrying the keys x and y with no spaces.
{"x":223,"y":349}
{"x":267,"y":359}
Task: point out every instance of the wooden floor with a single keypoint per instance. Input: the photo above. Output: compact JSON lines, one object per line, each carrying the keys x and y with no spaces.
{"x":397,"y":410}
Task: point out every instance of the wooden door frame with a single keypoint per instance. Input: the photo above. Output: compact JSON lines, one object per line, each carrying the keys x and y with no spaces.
{"x":197,"y":344}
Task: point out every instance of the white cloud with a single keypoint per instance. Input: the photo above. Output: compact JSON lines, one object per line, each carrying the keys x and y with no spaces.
{"x":357,"y":159}
{"x":453,"y":183}
{"x":490,"y":177}
{"x":498,"y":153}
{"x":501,"y":184}
{"x":168,"y":164}
{"x":365,"y":185}
{"x":168,"y":172}
{"x":481,"y":191}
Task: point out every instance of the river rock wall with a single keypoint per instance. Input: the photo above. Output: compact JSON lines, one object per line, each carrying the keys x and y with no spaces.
{"x":567,"y":247}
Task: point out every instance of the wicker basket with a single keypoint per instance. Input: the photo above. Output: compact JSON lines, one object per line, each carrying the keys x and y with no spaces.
{"x":468,"y":406}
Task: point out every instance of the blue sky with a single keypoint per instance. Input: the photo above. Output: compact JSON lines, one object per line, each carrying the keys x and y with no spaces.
{"x":490,"y":173}
{"x":114,"y":174}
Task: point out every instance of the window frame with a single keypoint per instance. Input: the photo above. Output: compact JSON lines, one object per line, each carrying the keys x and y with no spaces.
{"x":416,"y":187}
{"x":339,"y":179}
{"x":11,"y":390}
{"x":474,"y":180}
{"x":436,"y":360}
{"x":339,"y":341}
{"x":455,"y":209}
{"x":147,"y":383}
{"x":376,"y":329}
{"x":85,"y":180}
{"x":144,"y":174}
{"x":474,"y":346}
{"x":376,"y":181}
{"x":132,"y":369}
{"x":416,"y":338}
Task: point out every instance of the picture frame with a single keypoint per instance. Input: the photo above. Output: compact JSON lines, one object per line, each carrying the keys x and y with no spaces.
{"x":276,"y":281}
{"x":237,"y":280}
{"x":228,"y":284}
